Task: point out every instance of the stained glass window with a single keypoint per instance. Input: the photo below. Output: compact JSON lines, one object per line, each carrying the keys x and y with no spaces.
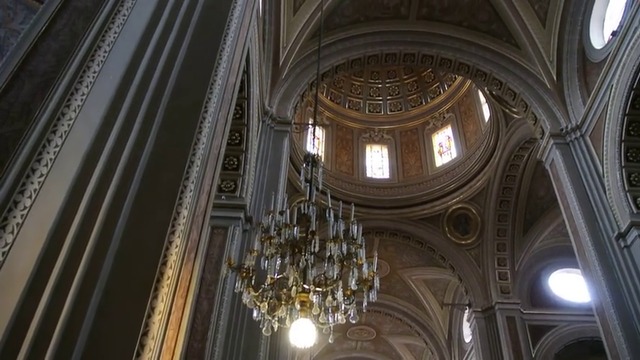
{"x":377,"y":159}
{"x":444,"y":148}
{"x":316,"y":145}
{"x":486,"y":112}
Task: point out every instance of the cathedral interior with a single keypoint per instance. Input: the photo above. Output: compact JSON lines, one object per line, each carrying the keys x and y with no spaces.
{"x":490,"y":149}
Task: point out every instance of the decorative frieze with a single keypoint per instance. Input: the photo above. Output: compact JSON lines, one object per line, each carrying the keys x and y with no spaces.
{"x":25,"y":196}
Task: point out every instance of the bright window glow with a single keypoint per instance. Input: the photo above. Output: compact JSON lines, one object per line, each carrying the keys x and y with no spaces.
{"x":486,"y":112}
{"x":569,"y":285}
{"x":612,"y":17}
{"x":377,"y":159}
{"x":605,"y":20}
{"x":302,"y":333}
{"x":316,"y":145}
{"x":444,"y":148}
{"x":467,"y":334}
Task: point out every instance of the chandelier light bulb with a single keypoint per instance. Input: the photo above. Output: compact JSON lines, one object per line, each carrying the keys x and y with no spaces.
{"x":302,"y":333}
{"x":353,"y":317}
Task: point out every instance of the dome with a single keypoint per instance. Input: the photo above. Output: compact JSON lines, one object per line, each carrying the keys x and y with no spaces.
{"x":403,"y":133}
{"x":384,"y":93}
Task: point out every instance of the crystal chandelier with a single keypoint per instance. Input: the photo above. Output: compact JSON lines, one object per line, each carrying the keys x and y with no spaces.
{"x":310,"y":281}
{"x":311,"y":259}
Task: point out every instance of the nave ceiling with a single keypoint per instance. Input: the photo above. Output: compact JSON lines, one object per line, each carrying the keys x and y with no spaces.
{"x":377,"y":58}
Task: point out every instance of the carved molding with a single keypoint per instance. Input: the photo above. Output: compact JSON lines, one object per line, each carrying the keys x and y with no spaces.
{"x":231,"y":185}
{"x":462,"y":224}
{"x":152,"y":334}
{"x":25,"y":196}
{"x":376,"y":136}
{"x":493,"y":82}
{"x":410,"y":240}
{"x":561,"y":336}
{"x":630,"y":157}
{"x":437,"y":121}
{"x":504,"y":228}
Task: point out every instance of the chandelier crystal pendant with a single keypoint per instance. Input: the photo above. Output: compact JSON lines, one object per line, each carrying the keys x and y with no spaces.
{"x":312,"y":261}
{"x":310,"y":281}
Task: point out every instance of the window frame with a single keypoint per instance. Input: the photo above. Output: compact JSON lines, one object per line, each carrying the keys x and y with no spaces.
{"x":389,"y":141}
{"x":592,"y":26}
{"x":457,"y":143}
{"x":366,"y":158}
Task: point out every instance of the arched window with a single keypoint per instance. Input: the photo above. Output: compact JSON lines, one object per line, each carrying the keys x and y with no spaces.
{"x":486,"y":112}
{"x":444,"y":147}
{"x":377,"y":161}
{"x":316,"y":145}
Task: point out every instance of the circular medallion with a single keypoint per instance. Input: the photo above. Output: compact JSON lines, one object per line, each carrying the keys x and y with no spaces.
{"x":462,"y":224}
{"x":383,"y":268}
{"x":361,"y":333}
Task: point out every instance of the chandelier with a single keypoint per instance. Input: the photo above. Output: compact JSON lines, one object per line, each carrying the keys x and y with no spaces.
{"x":311,"y":259}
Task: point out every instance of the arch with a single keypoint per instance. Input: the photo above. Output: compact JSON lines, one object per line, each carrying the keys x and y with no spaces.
{"x":561,"y":336}
{"x":488,"y":68}
{"x":534,"y":271}
{"x":256,"y":108}
{"x":625,"y":206}
{"x":569,"y":44}
{"x":549,"y":231}
{"x":500,"y":210}
{"x":450,"y":256}
{"x":440,"y":322}
{"x":389,"y":307}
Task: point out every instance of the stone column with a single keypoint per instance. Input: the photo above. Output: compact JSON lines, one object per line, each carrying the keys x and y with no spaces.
{"x":606,"y":264}
{"x":487,"y":343}
{"x":234,"y":334}
{"x":119,"y":191}
{"x":498,"y":333}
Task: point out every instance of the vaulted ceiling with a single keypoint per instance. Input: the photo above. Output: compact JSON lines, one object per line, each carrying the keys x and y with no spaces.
{"x":514,"y":51}
{"x":526,"y":31}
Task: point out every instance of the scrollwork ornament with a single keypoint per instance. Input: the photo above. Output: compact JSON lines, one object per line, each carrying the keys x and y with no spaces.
{"x":376,"y":136}
{"x":152,"y":334}
{"x":14,"y":216}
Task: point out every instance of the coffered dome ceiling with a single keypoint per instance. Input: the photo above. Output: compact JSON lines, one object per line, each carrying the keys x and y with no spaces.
{"x":379,"y":94}
{"x":379,"y":99}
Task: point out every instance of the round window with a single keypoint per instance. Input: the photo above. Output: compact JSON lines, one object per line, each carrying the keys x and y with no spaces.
{"x":605,"y":21}
{"x":569,"y":285}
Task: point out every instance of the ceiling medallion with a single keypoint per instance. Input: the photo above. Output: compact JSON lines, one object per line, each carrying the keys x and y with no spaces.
{"x":383,"y":268}
{"x":462,"y":224}
{"x":361,"y":333}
